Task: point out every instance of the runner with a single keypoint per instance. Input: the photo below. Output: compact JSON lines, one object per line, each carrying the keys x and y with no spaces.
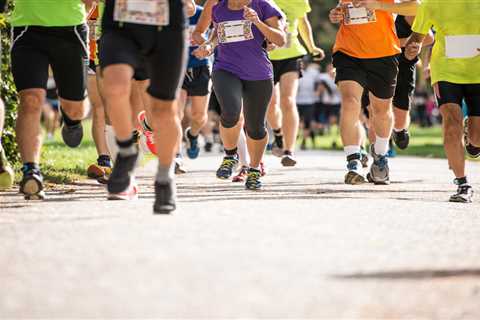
{"x":455,"y":63}
{"x":287,"y":62}
{"x":132,"y":32}
{"x":196,"y":88}
{"x":365,"y":56}
{"x":102,"y":169}
{"x":47,"y":33}
{"x":242,"y":71}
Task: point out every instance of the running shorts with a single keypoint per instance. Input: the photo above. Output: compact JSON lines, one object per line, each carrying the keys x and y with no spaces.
{"x":65,"y":49}
{"x":281,"y":67}
{"x":379,"y":75}
{"x":455,"y":93}
{"x":197,"y":81}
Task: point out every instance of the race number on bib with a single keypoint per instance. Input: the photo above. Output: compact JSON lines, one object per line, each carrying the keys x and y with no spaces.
{"x":234,"y":31}
{"x":462,"y":46}
{"x":147,"y":12}
{"x":357,"y":15}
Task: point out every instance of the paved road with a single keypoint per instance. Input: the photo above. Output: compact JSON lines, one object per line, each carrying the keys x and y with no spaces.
{"x":306,"y":247}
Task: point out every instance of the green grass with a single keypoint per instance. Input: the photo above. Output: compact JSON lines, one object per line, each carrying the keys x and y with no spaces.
{"x":424,"y":142}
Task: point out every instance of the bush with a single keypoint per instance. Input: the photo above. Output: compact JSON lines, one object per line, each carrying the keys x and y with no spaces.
{"x":9,"y":96}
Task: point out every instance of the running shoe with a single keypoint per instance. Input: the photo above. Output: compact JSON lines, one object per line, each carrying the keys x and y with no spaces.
{"x":192,"y":144}
{"x":179,"y":166}
{"x":32,"y":184}
{"x":464,"y":194}
{"x":379,"y":171}
{"x":263,"y":169}
{"x":147,"y":132}
{"x":401,"y":138}
{"x":229,"y":164}
{"x":7,"y":175}
{"x":99,"y":173}
{"x":472,"y":151}
{"x":364,"y":159}
{"x":354,"y":175}
{"x":121,"y":184}
{"x":288,"y":160}
{"x":208,"y":147}
{"x":253,"y":180}
{"x":242,"y":175}
{"x":277,"y":146}
{"x":131,"y":193}
{"x":165,"y":194}
{"x":72,"y":135}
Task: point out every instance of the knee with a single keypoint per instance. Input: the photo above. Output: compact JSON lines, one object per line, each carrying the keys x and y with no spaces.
{"x":452,"y":127}
{"x":230,"y":118}
{"x":200,"y":118}
{"x":164,"y":113}
{"x":116,"y":90}
{"x":350,"y":103}
{"x":31,"y":102}
{"x":287,"y":104}
{"x":256,"y":132}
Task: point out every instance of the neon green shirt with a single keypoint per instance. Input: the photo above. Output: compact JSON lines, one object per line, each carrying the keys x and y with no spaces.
{"x":451,"y":19}
{"x":294,"y":10}
{"x":48,"y":13}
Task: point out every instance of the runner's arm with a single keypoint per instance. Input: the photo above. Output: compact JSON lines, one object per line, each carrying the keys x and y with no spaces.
{"x":305,"y":30}
{"x":190,"y":7}
{"x":414,"y":45}
{"x":406,"y":8}
{"x":271,"y":28}
{"x":204,"y":22}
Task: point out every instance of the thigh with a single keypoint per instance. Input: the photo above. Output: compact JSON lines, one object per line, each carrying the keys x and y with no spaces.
{"x":289,"y":85}
{"x":166,"y":64}
{"x":472,"y":98}
{"x":381,"y":76}
{"x":29,"y":61}
{"x":68,"y":54}
{"x":228,"y":91}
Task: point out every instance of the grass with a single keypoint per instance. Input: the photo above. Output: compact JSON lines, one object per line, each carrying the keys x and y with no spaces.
{"x":424,"y":142}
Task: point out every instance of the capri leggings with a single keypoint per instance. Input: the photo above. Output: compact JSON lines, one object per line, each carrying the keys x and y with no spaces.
{"x":256,"y":95}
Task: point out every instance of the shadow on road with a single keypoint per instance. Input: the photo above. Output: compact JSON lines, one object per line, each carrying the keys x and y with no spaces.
{"x":410,"y":275}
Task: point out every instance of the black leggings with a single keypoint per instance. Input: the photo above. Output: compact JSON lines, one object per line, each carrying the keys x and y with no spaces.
{"x":256,"y":95}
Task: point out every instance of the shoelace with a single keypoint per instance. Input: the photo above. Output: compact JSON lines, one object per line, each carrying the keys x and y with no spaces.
{"x":381,"y":161}
{"x":228,"y":163}
{"x":463,"y":189}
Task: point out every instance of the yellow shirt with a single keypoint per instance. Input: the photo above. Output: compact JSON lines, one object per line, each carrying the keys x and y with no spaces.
{"x":293,"y":10}
{"x":454,"y":22}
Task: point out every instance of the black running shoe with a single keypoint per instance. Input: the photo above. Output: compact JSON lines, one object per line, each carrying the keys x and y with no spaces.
{"x":228,"y":166}
{"x":208,"y":147}
{"x":401,"y":138}
{"x":165,"y":194}
{"x":472,"y":151}
{"x":277,"y":146}
{"x":464,"y":194}
{"x":253,"y":179}
{"x":72,"y":135}
{"x":122,"y":173}
{"x":32,"y":184}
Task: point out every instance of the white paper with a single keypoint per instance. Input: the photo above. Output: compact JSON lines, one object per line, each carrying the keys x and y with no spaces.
{"x":142,"y":6}
{"x":235,"y":31}
{"x":462,"y":47}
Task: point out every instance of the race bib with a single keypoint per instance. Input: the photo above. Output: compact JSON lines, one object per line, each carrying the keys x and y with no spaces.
{"x":357,"y":15}
{"x":146,"y":12}
{"x":234,"y":31}
{"x":462,"y":46}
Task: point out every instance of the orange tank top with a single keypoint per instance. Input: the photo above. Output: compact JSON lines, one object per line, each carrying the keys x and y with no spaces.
{"x":367,"y":36}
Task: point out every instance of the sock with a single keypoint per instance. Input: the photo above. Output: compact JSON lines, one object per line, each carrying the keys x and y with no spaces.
{"x":127,"y":147}
{"x":69,"y":122}
{"x":287,"y":153}
{"x":190,"y":136}
{"x":277,"y":132}
{"x":350,"y":150}
{"x":399,"y":130}
{"x":231,"y":153}
{"x":461,"y":181}
{"x":27,"y":166}
{"x":104,"y":160}
{"x":165,"y":174}
{"x":257,"y":169}
{"x":381,"y":145}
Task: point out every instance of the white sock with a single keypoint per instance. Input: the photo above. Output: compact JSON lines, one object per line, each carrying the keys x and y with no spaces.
{"x":111,"y":142}
{"x":242,"y":150}
{"x":381,"y":145}
{"x":349,"y":150}
{"x":397,"y":130}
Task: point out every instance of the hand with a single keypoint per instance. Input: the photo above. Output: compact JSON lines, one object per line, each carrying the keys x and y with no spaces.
{"x":336,"y":15}
{"x":197,"y":39}
{"x":412,"y":50}
{"x":271,"y":46}
{"x":369,"y":4}
{"x":89,"y":3}
{"x":203,"y":51}
{"x":251,"y":15}
{"x":317,"y":54}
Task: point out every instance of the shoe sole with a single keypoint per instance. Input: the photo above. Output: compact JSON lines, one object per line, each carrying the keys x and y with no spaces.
{"x":459,"y":200}
{"x":32,"y":190}
{"x":354,"y":178}
{"x":287,"y":162}
{"x":66,"y":137}
{"x":117,"y":197}
{"x":379,"y":183}
{"x":164,"y":211}
{"x":277,"y":152}
{"x":95,"y":172}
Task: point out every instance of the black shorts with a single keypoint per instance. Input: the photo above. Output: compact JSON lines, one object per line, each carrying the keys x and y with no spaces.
{"x":405,"y":88}
{"x":141,"y":73}
{"x":456,"y":93}
{"x":164,"y":52}
{"x":306,"y":113}
{"x":65,"y":49}
{"x":197,"y":81}
{"x":214,"y":105}
{"x":281,"y":67}
{"x":379,"y":76}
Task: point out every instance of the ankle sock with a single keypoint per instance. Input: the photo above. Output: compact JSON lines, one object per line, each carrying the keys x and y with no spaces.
{"x":349,"y":150}
{"x":232,"y":152}
{"x":381,"y":145}
{"x":127,"y":147}
{"x":69,"y":122}
{"x":461,"y":181}
{"x":104,"y":160}
{"x":28,"y":166}
{"x":165,"y":174}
